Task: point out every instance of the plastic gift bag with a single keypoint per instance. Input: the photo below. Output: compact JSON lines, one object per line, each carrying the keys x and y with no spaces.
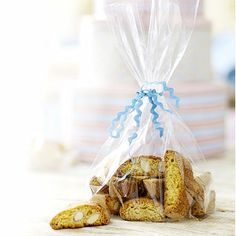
{"x":147,"y":167}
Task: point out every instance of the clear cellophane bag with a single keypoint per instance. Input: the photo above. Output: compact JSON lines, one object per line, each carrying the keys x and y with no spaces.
{"x":149,"y":165}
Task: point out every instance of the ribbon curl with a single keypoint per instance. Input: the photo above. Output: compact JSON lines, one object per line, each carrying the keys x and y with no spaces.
{"x":136,"y":104}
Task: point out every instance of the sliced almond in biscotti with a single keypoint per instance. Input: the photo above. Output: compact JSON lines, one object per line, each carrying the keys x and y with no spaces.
{"x":142,"y":209}
{"x":140,"y":166}
{"x":93,"y":218}
{"x":80,"y":216}
{"x":145,"y":166}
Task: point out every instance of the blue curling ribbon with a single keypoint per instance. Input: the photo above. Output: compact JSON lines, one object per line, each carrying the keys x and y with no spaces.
{"x":121,"y":118}
{"x":137,"y":118}
{"x":136,"y":105}
{"x":171,"y":93}
{"x":155,"y":117}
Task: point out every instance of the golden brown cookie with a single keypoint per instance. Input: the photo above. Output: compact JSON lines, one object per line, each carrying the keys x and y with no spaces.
{"x":82,"y":215}
{"x":140,"y":166}
{"x":112,"y":203}
{"x":176,"y":202}
{"x":129,"y":187}
{"x":142,"y":209}
{"x":155,"y":188}
{"x":96,"y":186}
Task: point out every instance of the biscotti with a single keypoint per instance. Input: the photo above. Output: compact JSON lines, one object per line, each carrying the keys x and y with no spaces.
{"x":142,"y":209}
{"x":176,"y":202}
{"x":141,"y":166}
{"x":89,"y":214}
{"x":111,"y":203}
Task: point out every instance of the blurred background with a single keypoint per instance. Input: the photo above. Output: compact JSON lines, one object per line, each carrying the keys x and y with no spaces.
{"x":74,"y":103}
{"x":62,"y":81}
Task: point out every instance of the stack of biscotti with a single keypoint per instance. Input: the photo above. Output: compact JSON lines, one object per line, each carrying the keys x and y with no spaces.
{"x":144,"y":188}
{"x":151,"y":189}
{"x":139,"y":185}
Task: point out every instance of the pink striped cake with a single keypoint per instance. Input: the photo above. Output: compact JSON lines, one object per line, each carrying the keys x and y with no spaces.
{"x":202,"y":108}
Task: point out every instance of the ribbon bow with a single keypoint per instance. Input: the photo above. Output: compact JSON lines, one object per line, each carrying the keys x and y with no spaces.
{"x":136,"y":103}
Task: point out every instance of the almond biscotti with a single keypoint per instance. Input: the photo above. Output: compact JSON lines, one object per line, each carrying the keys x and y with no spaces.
{"x":112,"y":203}
{"x":142,"y":209}
{"x":176,"y":201}
{"x":89,"y":214}
{"x":141,"y":166}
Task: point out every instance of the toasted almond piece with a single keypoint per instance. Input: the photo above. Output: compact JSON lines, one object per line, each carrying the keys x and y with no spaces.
{"x":145,"y":165}
{"x":78,"y":216}
{"x":93,"y":218}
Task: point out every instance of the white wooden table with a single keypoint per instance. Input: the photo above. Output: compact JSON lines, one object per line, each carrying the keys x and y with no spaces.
{"x":49,"y":193}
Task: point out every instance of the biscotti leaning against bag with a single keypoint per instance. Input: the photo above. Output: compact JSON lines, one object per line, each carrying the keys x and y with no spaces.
{"x":147,"y":170}
{"x":150,"y":161}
